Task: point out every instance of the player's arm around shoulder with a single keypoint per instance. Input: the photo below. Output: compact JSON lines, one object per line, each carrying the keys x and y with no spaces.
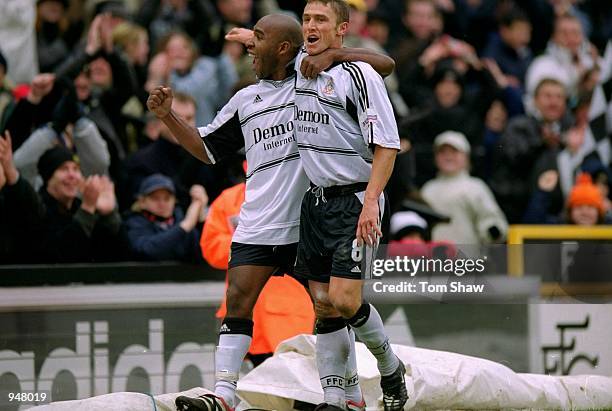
{"x":380,"y":63}
{"x":160,"y":103}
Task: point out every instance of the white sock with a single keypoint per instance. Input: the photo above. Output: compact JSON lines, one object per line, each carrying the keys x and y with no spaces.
{"x":229,"y":355}
{"x":332,"y":351}
{"x":351,"y":383}
{"x":368,"y":326}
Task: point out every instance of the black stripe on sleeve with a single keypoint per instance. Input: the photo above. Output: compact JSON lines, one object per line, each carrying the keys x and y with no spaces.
{"x":363,"y":82}
{"x":356,"y":83}
{"x":225,"y":140}
{"x":351,"y":109}
{"x":359,"y":81}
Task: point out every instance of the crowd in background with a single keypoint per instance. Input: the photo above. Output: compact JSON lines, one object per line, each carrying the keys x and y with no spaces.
{"x":493,"y":99}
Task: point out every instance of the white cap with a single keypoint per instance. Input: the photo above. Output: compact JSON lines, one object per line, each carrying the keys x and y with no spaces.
{"x":403,"y":219}
{"x":454,"y":139}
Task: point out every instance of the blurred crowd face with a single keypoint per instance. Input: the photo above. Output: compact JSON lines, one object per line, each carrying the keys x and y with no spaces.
{"x":51,"y":11}
{"x":568,"y":34}
{"x":177,"y":4}
{"x":517,"y":35}
{"x":180,"y":53}
{"x":82,"y":85}
{"x":378,"y":31}
{"x":236,"y":11}
{"x":321,"y":28}
{"x":584,"y":215}
{"x":65,"y":182}
{"x":357,"y":22}
{"x":497,"y":117}
{"x":160,"y":202}
{"x":550,"y":101}
{"x":447,"y":93}
{"x":449,"y":160}
{"x":422,"y":19}
{"x":101,"y":73}
{"x":138,"y":51}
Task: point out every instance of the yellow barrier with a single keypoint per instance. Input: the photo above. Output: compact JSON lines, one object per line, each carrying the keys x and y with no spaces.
{"x":517,"y":234}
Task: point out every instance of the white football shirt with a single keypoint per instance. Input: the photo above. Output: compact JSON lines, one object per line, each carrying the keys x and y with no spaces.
{"x":260,"y":119}
{"x":339,"y":117}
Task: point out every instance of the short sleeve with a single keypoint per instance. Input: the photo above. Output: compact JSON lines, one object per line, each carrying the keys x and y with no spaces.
{"x":223,"y":137}
{"x":367,"y":91}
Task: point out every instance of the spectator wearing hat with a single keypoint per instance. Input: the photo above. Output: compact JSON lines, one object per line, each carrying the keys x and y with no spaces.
{"x":17,"y":198}
{"x":585,"y":205}
{"x":475,"y":216}
{"x":158,"y":230}
{"x":81,"y":222}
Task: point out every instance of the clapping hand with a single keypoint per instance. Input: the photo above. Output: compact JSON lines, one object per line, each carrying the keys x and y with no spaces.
{"x":90,"y":190}
{"x":6,"y":159}
{"x":106,"y":200}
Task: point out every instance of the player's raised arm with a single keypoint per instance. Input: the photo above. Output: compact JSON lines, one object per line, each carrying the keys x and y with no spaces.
{"x":160,"y":103}
{"x":312,"y":65}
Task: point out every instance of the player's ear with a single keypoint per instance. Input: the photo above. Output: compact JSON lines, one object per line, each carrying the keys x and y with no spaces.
{"x":284,"y":47}
{"x":342,"y":28}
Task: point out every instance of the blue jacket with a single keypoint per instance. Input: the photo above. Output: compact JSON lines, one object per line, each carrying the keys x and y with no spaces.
{"x":510,"y":62}
{"x":153,"y":241}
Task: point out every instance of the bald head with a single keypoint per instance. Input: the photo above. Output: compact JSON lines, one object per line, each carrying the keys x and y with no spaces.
{"x":283,"y":27}
{"x":276,"y":41}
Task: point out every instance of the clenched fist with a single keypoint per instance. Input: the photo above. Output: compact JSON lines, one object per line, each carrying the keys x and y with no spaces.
{"x":160,"y":101}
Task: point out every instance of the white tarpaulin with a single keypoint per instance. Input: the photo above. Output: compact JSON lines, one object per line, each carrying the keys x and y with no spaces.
{"x":437,"y":380}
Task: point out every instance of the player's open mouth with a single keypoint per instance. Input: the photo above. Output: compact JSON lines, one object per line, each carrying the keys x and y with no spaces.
{"x":311,"y":40}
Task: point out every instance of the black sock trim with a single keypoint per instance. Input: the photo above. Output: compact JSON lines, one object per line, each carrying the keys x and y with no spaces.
{"x":352,"y":380}
{"x":330,"y":325}
{"x":237,"y":326}
{"x":361,"y":316}
{"x":332,"y":381}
